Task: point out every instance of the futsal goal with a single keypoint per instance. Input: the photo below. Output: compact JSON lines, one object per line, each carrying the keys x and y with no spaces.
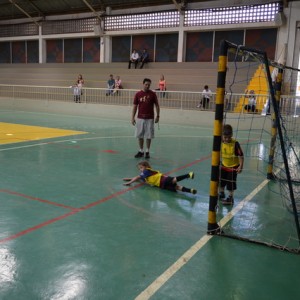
{"x":266,"y":210}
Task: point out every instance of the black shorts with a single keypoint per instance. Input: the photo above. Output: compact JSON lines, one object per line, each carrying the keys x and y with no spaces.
{"x":167,"y":184}
{"x":228,"y":179}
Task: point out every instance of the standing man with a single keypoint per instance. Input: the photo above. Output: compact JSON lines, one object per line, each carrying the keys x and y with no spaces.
{"x":144,"y":102}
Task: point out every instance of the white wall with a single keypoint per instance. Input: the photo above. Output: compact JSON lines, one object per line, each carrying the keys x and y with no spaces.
{"x":287,"y":36}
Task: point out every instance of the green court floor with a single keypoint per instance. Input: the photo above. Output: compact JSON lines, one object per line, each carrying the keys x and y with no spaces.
{"x":70,"y":229}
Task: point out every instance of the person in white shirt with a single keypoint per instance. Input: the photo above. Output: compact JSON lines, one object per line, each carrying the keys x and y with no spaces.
{"x":134,"y":58}
{"x":251,"y":106}
{"x":206,"y":94}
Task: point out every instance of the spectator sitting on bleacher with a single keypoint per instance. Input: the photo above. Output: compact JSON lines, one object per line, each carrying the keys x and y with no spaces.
{"x":118,"y":85}
{"x":110,"y":85}
{"x":134,"y":58}
{"x":144,"y":58}
{"x":251,"y":106}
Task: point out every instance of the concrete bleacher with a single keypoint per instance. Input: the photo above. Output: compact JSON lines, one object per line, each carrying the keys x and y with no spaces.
{"x":186,"y":76}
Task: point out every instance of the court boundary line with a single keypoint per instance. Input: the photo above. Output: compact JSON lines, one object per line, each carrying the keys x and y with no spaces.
{"x":87,"y":206}
{"x":72,"y":212}
{"x":37,"y":199}
{"x":85,"y":139}
{"x":185,"y":258}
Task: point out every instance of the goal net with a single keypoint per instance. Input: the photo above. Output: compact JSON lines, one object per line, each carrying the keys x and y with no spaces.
{"x":258,"y":98}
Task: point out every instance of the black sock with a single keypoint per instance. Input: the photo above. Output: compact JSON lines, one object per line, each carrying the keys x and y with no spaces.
{"x":186,"y":190}
{"x":181,"y":177}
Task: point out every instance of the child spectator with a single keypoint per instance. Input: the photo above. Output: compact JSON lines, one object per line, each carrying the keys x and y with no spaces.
{"x":232,"y":164}
{"x":80,"y":81}
{"x":251,"y":106}
{"x":156,"y":178}
{"x":162,"y":85}
{"x":110,"y":85}
{"x":118,"y":85}
{"x":76,"y":92}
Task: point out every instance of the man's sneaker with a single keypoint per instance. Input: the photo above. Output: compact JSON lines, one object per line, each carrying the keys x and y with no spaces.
{"x":193,"y":191}
{"x":147,"y":155}
{"x":228,"y":201}
{"x":139,"y":154}
{"x":192,"y":175}
{"x":221,"y":196}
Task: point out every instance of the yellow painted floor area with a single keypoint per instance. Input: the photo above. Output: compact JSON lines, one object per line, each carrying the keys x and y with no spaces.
{"x":16,"y":133}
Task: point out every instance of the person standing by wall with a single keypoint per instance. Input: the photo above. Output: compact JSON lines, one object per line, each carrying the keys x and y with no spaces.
{"x":76,"y":92}
{"x":162,"y":85}
{"x":144,"y":103}
{"x":80,"y":81}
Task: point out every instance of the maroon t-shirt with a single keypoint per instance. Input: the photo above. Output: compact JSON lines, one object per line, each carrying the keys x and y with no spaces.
{"x":145,"y":102}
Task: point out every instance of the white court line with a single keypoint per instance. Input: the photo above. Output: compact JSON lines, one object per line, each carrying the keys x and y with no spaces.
{"x":97,"y":118}
{"x":94,"y":138}
{"x":164,"y":277}
{"x":63,"y":141}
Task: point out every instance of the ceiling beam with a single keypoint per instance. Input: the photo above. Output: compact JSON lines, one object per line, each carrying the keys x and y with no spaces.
{"x":36,"y":8}
{"x":178,"y":7}
{"x":92,"y":9}
{"x":24,"y":12}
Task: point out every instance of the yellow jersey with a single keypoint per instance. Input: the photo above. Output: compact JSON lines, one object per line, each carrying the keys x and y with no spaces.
{"x":230,"y":153}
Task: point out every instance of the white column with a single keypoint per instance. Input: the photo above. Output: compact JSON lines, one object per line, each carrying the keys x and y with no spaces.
{"x":181,"y":40}
{"x":42,"y":47}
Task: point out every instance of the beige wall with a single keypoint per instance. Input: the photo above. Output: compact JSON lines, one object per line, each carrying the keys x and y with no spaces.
{"x":167,"y":116}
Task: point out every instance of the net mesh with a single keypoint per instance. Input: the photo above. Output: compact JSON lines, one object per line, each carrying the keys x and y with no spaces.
{"x":266,"y":210}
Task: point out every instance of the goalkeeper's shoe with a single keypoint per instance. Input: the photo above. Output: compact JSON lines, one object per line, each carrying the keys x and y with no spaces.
{"x":192,"y":175}
{"x":228,"y":201}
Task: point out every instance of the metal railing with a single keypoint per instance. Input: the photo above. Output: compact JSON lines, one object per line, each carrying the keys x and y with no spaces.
{"x":289,"y":105}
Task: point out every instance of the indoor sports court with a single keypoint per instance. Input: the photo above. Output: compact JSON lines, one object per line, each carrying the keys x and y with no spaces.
{"x":70,"y":229}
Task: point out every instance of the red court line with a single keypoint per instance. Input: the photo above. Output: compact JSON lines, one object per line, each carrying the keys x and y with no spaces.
{"x":75,"y":211}
{"x":189,"y":164}
{"x":37,"y":199}
{"x":110,"y":197}
{"x":21,"y":233}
